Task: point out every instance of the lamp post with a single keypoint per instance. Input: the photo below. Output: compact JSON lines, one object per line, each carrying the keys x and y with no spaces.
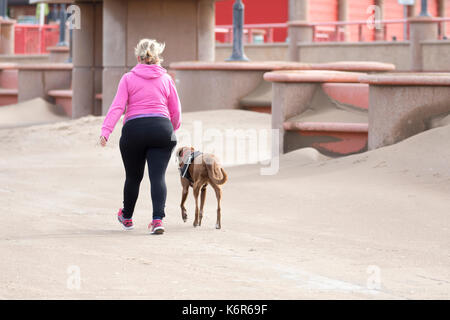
{"x":424,"y":9}
{"x":62,"y":25}
{"x":4,"y":8}
{"x":238,"y":32}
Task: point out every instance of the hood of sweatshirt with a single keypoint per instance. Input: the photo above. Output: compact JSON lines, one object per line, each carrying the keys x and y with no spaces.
{"x":148,"y":71}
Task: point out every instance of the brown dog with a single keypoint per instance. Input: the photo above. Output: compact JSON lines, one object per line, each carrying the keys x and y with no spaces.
{"x":198,"y":172}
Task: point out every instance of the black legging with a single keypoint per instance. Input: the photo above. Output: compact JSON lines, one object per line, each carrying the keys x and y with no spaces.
{"x":148,"y":139}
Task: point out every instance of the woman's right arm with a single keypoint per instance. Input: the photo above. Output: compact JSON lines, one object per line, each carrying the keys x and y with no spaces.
{"x":117,"y":108}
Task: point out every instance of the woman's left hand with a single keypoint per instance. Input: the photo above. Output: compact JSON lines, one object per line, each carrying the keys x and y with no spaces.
{"x":103,"y":141}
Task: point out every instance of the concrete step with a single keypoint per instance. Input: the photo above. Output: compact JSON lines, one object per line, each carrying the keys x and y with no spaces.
{"x":8,"y":78}
{"x":259,"y":100}
{"x":63,"y":99}
{"x":353,"y":94}
{"x":330,"y":138}
{"x":8,"y":96}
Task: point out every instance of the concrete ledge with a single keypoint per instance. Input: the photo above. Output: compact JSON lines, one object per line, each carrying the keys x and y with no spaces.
{"x":259,"y":66}
{"x":63,"y":93}
{"x":24,"y":58}
{"x":58,"y":49}
{"x":8,"y":66}
{"x":312,"y":76}
{"x":46,"y":66}
{"x":408,"y":79}
{"x":369,"y":66}
{"x":327,"y":126}
{"x":358,"y":66}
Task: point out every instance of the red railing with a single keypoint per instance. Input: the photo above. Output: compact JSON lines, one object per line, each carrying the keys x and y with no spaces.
{"x":386,"y":30}
{"x":251,"y":32}
{"x":34,"y":39}
{"x":359,"y":31}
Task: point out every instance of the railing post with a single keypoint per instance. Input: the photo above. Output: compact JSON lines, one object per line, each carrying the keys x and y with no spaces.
{"x":421,"y":29}
{"x":238,"y":32}
{"x":270,"y":35}
{"x":62,"y":25}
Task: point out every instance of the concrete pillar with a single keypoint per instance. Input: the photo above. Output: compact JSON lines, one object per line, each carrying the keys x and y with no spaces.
{"x":298,"y":27}
{"x":115,"y":22}
{"x":298,"y":10}
{"x":7,"y":36}
{"x":205,"y":33}
{"x":85,"y":50}
{"x":421,"y":28}
{"x":343,"y":16}
{"x":379,"y":32}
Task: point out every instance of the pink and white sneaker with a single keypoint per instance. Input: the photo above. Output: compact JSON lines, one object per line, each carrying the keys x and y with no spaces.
{"x":127,"y":224}
{"x":156,"y":227}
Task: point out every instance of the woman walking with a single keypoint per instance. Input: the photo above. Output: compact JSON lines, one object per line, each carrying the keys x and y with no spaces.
{"x":152,"y":108}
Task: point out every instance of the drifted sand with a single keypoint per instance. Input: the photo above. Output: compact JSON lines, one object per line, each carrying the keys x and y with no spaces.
{"x":320,"y":228}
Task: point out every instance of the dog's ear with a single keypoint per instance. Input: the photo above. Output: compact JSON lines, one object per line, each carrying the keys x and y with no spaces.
{"x":192,"y":149}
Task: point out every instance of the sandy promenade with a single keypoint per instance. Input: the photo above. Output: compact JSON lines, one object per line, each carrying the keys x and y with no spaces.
{"x":374,"y":225}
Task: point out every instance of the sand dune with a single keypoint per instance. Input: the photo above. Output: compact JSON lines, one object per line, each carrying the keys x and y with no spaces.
{"x":373,"y":225}
{"x":31,"y":112}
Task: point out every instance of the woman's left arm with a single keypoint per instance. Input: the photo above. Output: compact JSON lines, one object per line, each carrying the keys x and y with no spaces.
{"x":174,"y":105}
{"x":117,"y":108}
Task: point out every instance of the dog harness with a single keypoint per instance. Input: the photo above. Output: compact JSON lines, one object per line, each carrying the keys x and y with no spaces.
{"x":184,"y":170}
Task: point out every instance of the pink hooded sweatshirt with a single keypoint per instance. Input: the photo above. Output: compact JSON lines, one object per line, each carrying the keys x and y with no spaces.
{"x":145,"y":90}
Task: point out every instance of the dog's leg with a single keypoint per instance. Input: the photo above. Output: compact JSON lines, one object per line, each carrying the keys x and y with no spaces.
{"x":183,"y":200}
{"x":218,"y":191}
{"x":202,"y":204}
{"x":196,"y":192}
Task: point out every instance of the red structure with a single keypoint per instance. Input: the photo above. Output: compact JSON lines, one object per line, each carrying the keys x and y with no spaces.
{"x":269,"y":12}
{"x":256,"y":12}
{"x":34,"y":39}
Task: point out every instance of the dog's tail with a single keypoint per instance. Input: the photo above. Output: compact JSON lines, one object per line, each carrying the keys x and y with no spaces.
{"x":216,"y":173}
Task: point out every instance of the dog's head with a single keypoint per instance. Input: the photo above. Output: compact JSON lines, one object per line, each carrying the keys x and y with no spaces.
{"x":182,"y":153}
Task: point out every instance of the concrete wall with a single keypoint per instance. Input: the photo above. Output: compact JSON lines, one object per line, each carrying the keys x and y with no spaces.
{"x":185,"y":26}
{"x":173,"y":22}
{"x":437,"y":55}
{"x":256,"y":52}
{"x":389,"y":52}
{"x":25,"y":59}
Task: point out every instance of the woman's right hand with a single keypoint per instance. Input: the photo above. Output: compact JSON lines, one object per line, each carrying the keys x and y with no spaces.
{"x":103,"y":141}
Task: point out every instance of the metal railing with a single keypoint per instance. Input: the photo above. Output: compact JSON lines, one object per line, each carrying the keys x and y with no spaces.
{"x":259,"y":33}
{"x":34,"y":39}
{"x":340,"y":31}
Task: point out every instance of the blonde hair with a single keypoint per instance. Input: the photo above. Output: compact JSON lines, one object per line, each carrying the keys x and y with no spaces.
{"x":148,"y":51}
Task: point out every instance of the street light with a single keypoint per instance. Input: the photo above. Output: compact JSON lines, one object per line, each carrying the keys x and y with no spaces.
{"x":238,"y":32}
{"x":424,"y":9}
{"x":4,"y":8}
